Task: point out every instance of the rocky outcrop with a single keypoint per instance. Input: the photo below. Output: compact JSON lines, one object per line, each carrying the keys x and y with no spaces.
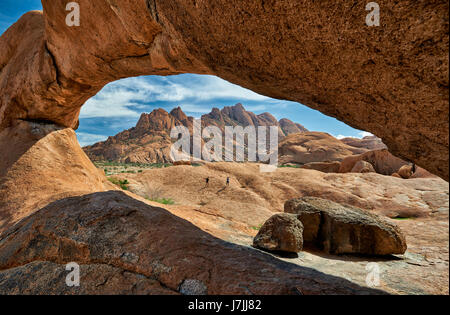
{"x":125,"y":246}
{"x":282,"y":232}
{"x":339,"y":229}
{"x":45,"y":164}
{"x":150,"y":142}
{"x":382,"y":161}
{"x":390,"y":80}
{"x":369,"y":142}
{"x":290,"y":127}
{"x":312,"y":147}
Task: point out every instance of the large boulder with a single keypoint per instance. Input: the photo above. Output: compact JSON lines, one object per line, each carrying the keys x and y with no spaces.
{"x":363,"y":167}
{"x":340,"y":229}
{"x":282,"y":232}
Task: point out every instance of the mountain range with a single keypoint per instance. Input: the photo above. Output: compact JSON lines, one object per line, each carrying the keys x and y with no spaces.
{"x":149,"y":141}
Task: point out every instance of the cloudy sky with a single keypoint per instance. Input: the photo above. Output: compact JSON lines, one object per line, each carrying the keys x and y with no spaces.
{"x":119,"y":104}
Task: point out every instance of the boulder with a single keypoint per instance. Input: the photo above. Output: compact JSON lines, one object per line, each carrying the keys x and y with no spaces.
{"x":339,"y":229}
{"x":405,"y":171}
{"x":363,"y":167}
{"x":282,"y":232}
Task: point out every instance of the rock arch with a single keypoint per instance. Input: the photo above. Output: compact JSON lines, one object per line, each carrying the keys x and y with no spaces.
{"x":391,"y":80}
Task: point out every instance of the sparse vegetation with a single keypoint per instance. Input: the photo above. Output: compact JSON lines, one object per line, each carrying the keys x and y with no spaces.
{"x":257,"y":228}
{"x":164,"y":201}
{"x":121,"y":183}
{"x":114,"y":168}
{"x":289,"y":165}
{"x":402,"y":218}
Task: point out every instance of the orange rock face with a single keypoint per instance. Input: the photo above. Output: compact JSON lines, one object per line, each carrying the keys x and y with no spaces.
{"x":388,"y":80}
{"x":382,"y":161}
{"x":45,"y":164}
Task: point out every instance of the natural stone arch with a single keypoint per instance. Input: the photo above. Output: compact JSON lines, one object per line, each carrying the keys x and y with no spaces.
{"x":391,"y":80}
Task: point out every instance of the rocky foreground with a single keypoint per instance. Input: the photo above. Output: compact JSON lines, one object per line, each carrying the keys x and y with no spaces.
{"x":236,"y":213}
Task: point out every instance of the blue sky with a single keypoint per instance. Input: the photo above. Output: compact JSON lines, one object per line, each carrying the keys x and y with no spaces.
{"x":119,"y":104}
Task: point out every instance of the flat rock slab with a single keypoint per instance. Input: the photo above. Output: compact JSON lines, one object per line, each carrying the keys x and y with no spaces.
{"x":339,"y":229}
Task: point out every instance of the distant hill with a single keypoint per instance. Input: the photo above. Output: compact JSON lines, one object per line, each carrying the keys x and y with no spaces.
{"x":149,"y":141}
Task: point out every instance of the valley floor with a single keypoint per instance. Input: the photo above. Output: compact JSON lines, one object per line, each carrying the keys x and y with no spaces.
{"x":235,"y":213}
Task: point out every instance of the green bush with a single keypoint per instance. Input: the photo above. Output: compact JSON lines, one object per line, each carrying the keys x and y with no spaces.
{"x":164,"y":201}
{"x":121,"y":183}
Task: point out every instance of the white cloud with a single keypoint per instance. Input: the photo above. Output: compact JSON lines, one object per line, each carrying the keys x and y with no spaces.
{"x":88,"y":138}
{"x":115,"y":99}
{"x":360,"y":135}
{"x":363,"y":134}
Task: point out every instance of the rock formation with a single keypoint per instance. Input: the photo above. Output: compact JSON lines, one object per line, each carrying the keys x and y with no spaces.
{"x":126,"y":246}
{"x":45,"y":164}
{"x":311,"y":147}
{"x":390,"y":80}
{"x":282,"y":232}
{"x":369,"y":142}
{"x":339,"y":229}
{"x":382,"y":161}
{"x":150,"y":141}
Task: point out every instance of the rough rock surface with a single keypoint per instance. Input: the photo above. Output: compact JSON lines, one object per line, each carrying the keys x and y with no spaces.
{"x":282,"y":232}
{"x":339,"y":229}
{"x":126,"y":246}
{"x":311,"y":147}
{"x":391,"y":80}
{"x":363,"y":167}
{"x":41,"y":163}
